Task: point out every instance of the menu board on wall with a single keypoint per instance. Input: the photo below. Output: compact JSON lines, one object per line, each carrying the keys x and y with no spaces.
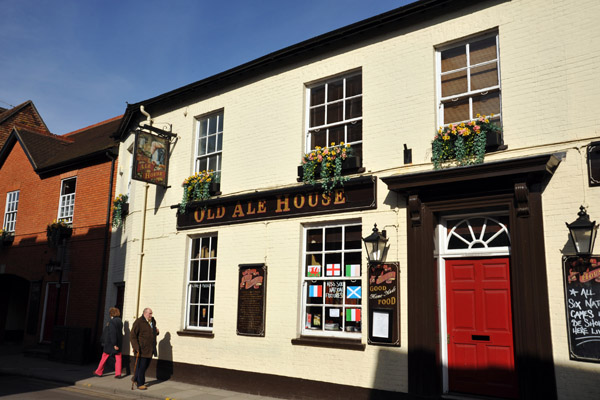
{"x":582,"y":299}
{"x":252,"y":290}
{"x":384,"y":304}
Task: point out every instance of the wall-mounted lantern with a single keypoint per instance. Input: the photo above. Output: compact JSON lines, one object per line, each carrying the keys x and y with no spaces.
{"x":583,"y":233}
{"x":375,"y":246}
{"x":52,"y":266}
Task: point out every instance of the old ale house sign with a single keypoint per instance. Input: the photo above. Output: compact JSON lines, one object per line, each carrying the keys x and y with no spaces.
{"x":356,"y":194}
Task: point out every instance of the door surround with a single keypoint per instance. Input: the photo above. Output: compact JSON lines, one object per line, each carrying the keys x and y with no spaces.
{"x":514,"y":186}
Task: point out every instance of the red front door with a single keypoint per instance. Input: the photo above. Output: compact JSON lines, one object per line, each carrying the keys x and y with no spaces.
{"x":480,"y":335}
{"x":52,"y":319}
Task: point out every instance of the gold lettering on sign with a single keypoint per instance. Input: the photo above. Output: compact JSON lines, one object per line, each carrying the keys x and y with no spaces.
{"x":238,"y":212}
{"x":220,"y":212}
{"x":262,"y":206}
{"x":250,"y":209}
{"x":285,"y":203}
{"x":326,"y":199}
{"x":339,"y":197}
{"x":313,"y":199}
{"x":299,"y":201}
{"x":199,"y":215}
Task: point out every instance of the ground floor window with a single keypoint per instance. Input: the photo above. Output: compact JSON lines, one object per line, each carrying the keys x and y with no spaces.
{"x":201,"y":283}
{"x":331,"y":283}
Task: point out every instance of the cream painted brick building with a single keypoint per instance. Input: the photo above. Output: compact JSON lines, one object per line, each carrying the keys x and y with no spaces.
{"x":547,"y":94}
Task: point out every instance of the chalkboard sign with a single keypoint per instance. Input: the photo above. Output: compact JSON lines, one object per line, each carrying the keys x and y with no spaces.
{"x":384,"y":304}
{"x":252,"y":290}
{"x":582,"y":300}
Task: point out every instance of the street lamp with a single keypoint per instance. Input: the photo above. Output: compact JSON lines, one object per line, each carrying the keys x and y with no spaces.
{"x":375,"y":246}
{"x":583,"y":233}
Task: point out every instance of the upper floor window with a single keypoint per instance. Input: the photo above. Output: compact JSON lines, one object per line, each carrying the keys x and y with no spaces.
{"x":209,"y":143}
{"x":335,"y":113}
{"x":10,"y":212}
{"x":332,"y":283}
{"x":201,"y":283}
{"x":469,"y":80}
{"x":67,"y":200}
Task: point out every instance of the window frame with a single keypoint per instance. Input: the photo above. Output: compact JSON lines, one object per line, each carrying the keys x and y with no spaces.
{"x":189,"y":282}
{"x":218,"y":134}
{"x":343,"y":100}
{"x":64,"y":199}
{"x":469,"y":94}
{"x":10,"y":214}
{"x":306,"y":280}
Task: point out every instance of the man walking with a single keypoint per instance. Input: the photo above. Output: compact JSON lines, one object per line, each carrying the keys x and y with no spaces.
{"x":143,"y":341}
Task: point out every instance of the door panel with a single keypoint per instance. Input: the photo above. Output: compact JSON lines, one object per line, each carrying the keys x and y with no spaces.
{"x":480,"y":337}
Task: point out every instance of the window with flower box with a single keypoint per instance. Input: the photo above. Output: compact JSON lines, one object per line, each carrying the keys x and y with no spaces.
{"x":10,"y":211}
{"x":66,"y":205}
{"x":201,"y":284}
{"x":331,"y":281}
{"x":335,"y":113}
{"x":469,"y":80}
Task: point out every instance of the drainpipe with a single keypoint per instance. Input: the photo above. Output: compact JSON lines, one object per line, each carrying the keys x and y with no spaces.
{"x":99,"y":316}
{"x":141,"y":263}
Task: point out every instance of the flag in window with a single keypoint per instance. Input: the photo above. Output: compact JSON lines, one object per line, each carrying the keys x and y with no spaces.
{"x":352,"y":314}
{"x":333,"y":270}
{"x":315,"y":291}
{"x":314,"y":270}
{"x":353,"y":270}
{"x":353,"y":292}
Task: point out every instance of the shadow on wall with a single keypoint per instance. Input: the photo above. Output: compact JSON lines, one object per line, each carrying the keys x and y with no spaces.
{"x":164,"y":365}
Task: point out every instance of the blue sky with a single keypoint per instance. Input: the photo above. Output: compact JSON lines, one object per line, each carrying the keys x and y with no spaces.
{"x":80,"y":61}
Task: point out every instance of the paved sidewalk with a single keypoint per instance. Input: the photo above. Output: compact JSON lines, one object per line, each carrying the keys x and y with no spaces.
{"x":81,"y":376}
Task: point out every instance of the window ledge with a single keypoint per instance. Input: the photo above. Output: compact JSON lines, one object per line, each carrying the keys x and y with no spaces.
{"x":346,"y":344}
{"x":204,"y":334}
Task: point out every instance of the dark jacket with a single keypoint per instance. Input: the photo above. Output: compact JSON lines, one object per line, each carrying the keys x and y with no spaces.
{"x":143,"y":337}
{"x":113,"y":336}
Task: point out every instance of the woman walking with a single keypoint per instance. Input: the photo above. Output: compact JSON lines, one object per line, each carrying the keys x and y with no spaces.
{"x":112,"y":340}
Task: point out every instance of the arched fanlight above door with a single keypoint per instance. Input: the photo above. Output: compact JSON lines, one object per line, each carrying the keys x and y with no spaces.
{"x":476,"y":233}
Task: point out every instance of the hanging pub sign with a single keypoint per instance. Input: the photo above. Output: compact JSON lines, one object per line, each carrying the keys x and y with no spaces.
{"x":252,"y":291}
{"x":384,"y":304}
{"x":582,"y":301}
{"x":151,"y":156}
{"x":356,"y":194}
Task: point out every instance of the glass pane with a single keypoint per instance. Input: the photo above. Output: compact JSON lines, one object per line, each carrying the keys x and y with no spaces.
{"x":202,"y":163}
{"x":333,"y":238}
{"x":314,"y":265}
{"x":219,"y":142}
{"x":205,"y":294}
{"x":354,"y":131}
{"x":487,"y":104}
{"x":202,"y":147}
{"x":314,"y":240}
{"x":68,"y":186}
{"x":212,"y":164}
{"x":212,"y":144}
{"x":455,"y":243}
{"x":333,"y":319}
{"x":213,"y":250}
{"x":211,"y":314}
{"x":194,"y":294}
{"x":314,"y":317}
{"x":194,"y":269}
{"x":333,"y":264}
{"x":337,"y":135}
{"x":204,"y":252}
{"x":454,"y":58}
{"x":484,"y":76}
{"x":212,"y":125}
{"x":317,"y":116}
{"x":335,"y":90}
{"x":501,"y":240}
{"x":335,"y":112}
{"x":353,"y":237}
{"x":354,"y":108}
{"x":318,"y":138}
{"x":212,"y":294}
{"x":353,"y":292}
{"x":483,"y":50}
{"x":476,"y":226}
{"x":193,"y":317}
{"x":352,"y":319}
{"x":454,"y":83}
{"x":220,"y":128}
{"x":354,"y":86}
{"x":203,"y":125}
{"x":213,"y":270}
{"x":317,"y":95}
{"x":334,"y":292}
{"x":455,"y":111}
{"x":195,"y":248}
{"x":203,"y":270}
{"x":203,"y":317}
{"x":357,"y":150}
{"x":314,"y":292}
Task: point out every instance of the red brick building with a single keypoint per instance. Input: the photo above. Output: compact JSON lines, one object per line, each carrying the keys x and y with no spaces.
{"x":44,"y":178}
{"x":24,"y":114}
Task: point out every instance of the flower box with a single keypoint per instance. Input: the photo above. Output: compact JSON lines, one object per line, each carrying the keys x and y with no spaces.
{"x":56,"y":232}
{"x":350,"y":165}
{"x":465,"y":143}
{"x":199,"y":187}
{"x":6,"y":238}
{"x":120,"y":209}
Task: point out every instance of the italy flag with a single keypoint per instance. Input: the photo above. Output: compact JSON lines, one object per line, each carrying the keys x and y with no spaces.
{"x":352,"y":269}
{"x":353,"y":314}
